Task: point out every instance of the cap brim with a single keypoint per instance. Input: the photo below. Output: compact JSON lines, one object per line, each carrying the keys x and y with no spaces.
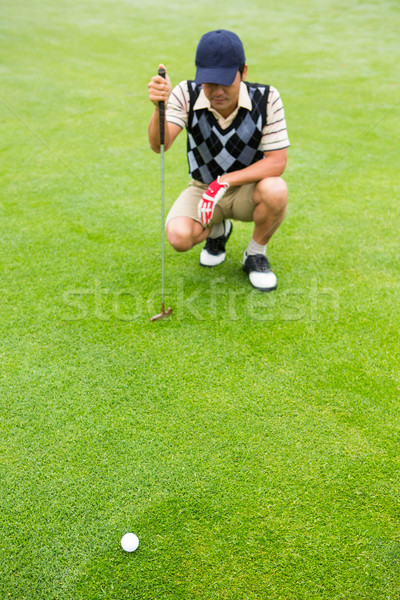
{"x":224,"y":76}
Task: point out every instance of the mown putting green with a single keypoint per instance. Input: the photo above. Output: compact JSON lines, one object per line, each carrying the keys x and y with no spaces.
{"x":249,"y":440}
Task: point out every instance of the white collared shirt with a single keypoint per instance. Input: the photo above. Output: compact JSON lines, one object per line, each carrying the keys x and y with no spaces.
{"x":274,"y":134}
{"x":243,"y":102}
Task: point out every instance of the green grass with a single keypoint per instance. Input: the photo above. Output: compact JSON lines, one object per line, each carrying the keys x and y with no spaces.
{"x":251,"y":441}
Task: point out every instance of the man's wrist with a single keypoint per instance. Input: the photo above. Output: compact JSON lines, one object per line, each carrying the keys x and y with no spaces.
{"x":227,"y":179}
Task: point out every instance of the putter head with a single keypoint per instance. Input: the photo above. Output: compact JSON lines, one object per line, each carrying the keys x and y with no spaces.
{"x":164,"y":313}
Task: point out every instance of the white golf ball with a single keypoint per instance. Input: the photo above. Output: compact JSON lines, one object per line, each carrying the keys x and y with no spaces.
{"x":130,"y":542}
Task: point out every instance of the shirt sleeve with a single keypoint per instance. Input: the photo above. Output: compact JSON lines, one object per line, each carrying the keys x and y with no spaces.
{"x":178,"y":105}
{"x":274,"y":134}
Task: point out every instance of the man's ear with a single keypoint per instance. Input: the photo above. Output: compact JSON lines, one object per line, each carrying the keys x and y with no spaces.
{"x":244,"y":74}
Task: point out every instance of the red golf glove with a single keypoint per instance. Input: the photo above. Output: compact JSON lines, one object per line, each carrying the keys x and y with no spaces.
{"x":209,"y":199}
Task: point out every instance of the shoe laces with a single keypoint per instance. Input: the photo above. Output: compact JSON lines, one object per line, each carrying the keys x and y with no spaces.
{"x":259,"y":262}
{"x":214,"y":245}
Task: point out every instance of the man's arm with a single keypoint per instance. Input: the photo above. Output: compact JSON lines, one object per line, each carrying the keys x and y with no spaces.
{"x":171,"y":132}
{"x":159,"y":91}
{"x":272,"y":165}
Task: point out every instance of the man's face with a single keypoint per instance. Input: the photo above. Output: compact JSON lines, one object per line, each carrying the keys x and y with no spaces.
{"x":224,"y":98}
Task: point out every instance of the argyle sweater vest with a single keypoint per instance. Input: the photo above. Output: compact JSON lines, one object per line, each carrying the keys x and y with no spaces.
{"x":213,"y":151}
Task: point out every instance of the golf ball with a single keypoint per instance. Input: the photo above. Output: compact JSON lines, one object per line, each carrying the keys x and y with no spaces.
{"x":130,"y":542}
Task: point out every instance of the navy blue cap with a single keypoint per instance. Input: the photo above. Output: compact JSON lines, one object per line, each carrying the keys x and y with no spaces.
{"x":219,"y":55}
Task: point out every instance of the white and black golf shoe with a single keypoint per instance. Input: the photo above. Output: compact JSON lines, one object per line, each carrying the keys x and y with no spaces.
{"x":260,"y":275}
{"x":213,"y":253}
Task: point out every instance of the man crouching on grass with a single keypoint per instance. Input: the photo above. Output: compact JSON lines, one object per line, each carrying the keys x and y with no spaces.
{"x":237,"y":150}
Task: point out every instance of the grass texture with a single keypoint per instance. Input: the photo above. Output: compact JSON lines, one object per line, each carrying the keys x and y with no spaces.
{"x":251,"y":441}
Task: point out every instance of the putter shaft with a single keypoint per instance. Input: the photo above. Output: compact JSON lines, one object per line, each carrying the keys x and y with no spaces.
{"x":164,"y":312}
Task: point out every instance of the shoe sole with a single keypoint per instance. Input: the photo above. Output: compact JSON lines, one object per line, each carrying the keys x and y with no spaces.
{"x":265,"y":290}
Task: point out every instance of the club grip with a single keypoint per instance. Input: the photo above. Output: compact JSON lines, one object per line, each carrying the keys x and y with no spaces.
{"x":161,"y":108}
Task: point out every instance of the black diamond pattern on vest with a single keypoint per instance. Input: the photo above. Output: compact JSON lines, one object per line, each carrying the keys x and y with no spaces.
{"x":213,"y":151}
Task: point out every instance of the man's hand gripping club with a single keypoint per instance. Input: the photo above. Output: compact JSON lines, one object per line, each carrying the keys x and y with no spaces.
{"x":209,"y":199}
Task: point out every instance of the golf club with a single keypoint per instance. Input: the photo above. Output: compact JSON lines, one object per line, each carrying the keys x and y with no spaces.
{"x":161,"y":107}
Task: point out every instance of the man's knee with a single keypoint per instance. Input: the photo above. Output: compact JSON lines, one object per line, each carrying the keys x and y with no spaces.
{"x":180,"y":234}
{"x":272,"y":192}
